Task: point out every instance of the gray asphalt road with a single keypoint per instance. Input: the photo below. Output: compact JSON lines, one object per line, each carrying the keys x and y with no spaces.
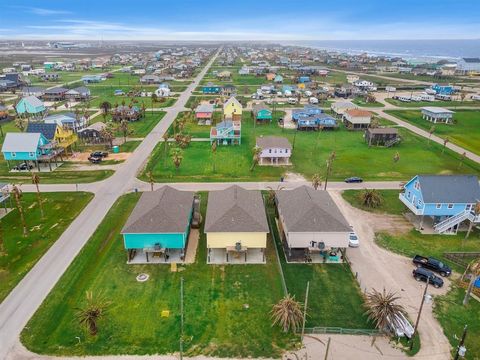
{"x":27,"y":296}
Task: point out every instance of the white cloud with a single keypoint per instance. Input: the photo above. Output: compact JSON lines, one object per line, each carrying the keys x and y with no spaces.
{"x":43,"y":11}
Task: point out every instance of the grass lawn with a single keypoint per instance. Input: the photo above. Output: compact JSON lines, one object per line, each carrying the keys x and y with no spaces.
{"x":22,"y":253}
{"x":361,"y":102}
{"x":465,"y":132}
{"x":390,"y":205}
{"x":448,"y":104}
{"x":311,"y":149}
{"x":130,"y":146}
{"x":453,"y":316}
{"x":140,"y":128}
{"x":216,"y":322}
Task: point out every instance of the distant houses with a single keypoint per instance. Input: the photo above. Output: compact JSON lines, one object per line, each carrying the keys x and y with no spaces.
{"x":261,"y":113}
{"x":30,"y":106}
{"x":204,"y":114}
{"x":340,"y":107}
{"x":81,"y":93}
{"x":312,"y":118}
{"x":232,"y":109}
{"x":157,"y":230}
{"x":437,"y":114}
{"x":55,"y":94}
{"x":275,"y":150}
{"x":211,"y":88}
{"x":92,"y":134}
{"x":236,"y":227}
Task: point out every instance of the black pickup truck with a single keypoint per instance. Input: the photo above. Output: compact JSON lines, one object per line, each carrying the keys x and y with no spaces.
{"x":432,"y":264}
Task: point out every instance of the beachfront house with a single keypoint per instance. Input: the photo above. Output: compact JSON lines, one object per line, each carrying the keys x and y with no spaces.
{"x":437,"y":114}
{"x":311,"y":225}
{"x":31,"y":106}
{"x":261,"y":113}
{"x":443,"y":202}
{"x":232,"y":109}
{"x":357,"y":119}
{"x":80,"y":93}
{"x":227,"y":132}
{"x":62,"y":137}
{"x":275,"y":150}
{"x":339,"y":108}
{"x":236,"y":227}
{"x":157,"y":230}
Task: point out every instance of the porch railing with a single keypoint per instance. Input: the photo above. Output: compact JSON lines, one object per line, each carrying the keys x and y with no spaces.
{"x":343,"y":331}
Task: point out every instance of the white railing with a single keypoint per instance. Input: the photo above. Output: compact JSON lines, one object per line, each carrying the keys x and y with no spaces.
{"x":454,"y":220}
{"x":408,"y":204}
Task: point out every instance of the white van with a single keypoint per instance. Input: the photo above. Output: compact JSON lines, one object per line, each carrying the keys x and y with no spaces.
{"x":427,"y":97}
{"x":313,"y":100}
{"x":308,"y":93}
{"x":292,"y":101}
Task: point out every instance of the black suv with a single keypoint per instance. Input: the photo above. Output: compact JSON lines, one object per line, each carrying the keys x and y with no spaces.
{"x":422,"y":274}
{"x":99,"y":154}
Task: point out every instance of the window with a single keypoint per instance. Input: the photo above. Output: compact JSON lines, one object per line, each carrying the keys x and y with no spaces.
{"x":269,"y":151}
{"x":438,"y":206}
{"x":468,"y":207}
{"x":417,"y":185}
{"x":450,"y":206}
{"x":286,"y":151}
{"x":31,"y":154}
{"x":408,"y":194}
{"x":13,"y":154}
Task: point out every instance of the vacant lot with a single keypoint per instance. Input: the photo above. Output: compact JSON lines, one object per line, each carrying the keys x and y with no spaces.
{"x":217,"y":322}
{"x":19,"y":253}
{"x":465,"y":132}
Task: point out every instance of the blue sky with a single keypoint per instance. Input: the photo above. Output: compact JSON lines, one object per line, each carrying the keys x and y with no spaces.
{"x":240,"y":20}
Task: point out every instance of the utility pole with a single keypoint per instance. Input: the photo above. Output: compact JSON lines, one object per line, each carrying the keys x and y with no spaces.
{"x":305,"y":309}
{"x":181,"y":318}
{"x":419,"y":313}
{"x":328,"y":348}
{"x":462,"y":341}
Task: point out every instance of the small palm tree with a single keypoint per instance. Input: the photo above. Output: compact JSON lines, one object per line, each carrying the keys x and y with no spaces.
{"x":396,"y":157}
{"x":462,"y":159}
{"x":256,"y":157}
{"x":430,"y":133}
{"x":20,"y":123}
{"x":177,"y":157}
{"x":150,"y":179}
{"x":124,"y":128}
{"x":445,"y":142}
{"x":382,"y":308}
{"x":105,"y":106}
{"x":94,"y":309}
{"x":272,"y":194}
{"x":287,"y":313}
{"x":17,"y":195}
{"x":316,"y":181}
{"x":371,"y":198}
{"x":474,"y":270}
{"x":36,"y":181}
{"x":330,"y":161}
{"x":107,"y":134}
{"x":214,"y":154}
{"x":165,"y":138}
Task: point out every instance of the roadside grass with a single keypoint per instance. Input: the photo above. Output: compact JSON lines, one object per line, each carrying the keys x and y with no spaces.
{"x":448,"y":104}
{"x":453,"y":316}
{"x":361,"y":102}
{"x":22,"y":253}
{"x":335,"y":299}
{"x":311,"y":149}
{"x":216,"y":321}
{"x":391,"y":204}
{"x":130,"y":146}
{"x":465,"y":132}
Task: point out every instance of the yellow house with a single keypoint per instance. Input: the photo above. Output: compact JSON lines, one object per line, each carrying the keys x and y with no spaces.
{"x":232,"y":109}
{"x":236,"y":227}
{"x":65,"y":137}
{"x":62,"y":136}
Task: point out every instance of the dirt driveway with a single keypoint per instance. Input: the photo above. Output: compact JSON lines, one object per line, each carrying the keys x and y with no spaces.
{"x":378,"y":268}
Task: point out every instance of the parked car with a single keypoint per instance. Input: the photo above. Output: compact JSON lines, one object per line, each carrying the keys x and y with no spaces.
{"x":100,"y":154}
{"x":23,"y":166}
{"x":95,"y":159}
{"x":353,"y":240}
{"x":292,"y":101}
{"x":432,"y":264}
{"x":421,"y":274}
{"x":354,"y":179}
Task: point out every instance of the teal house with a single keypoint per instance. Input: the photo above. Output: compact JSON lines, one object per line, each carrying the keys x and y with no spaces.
{"x":157,"y":230}
{"x":30,"y":105}
{"x":211,"y":89}
{"x":262,"y":113}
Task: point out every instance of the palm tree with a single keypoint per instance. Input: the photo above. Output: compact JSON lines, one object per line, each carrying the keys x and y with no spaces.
{"x":165,"y":138}
{"x":287,"y":313}
{"x":124,"y":128}
{"x":107,"y":133}
{"x":430,"y":132}
{"x":474,"y":270}
{"x":150,"y":179}
{"x":272,"y":194}
{"x":445,"y":142}
{"x":105,"y":106}
{"x":177,"y":157}
{"x":17,"y":195}
{"x":374,"y":123}
{"x":316,"y":181}
{"x":330,"y":160}
{"x":36,"y":181}
{"x":371,"y":198}
{"x":20,"y":123}
{"x":214,"y":154}
{"x":476,"y":212}
{"x":396,"y":157}
{"x":256,"y":157}
{"x":382,"y":309}
{"x":94,"y":309}
{"x":462,"y":159}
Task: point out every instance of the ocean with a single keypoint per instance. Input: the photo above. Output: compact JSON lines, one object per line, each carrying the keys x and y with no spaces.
{"x":419,"y":50}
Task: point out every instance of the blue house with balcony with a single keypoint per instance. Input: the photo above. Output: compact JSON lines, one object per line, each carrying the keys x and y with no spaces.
{"x":443,"y":89}
{"x":312,"y":118}
{"x":31,"y":106}
{"x":445,"y":201}
{"x":210,"y":88}
{"x":158,"y":228}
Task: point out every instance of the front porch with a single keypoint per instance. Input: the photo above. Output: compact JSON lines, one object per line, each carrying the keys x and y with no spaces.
{"x":222,"y":256}
{"x":275,"y":161}
{"x":155,"y":256}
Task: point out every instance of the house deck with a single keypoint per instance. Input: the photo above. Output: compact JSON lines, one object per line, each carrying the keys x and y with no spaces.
{"x":250,"y":256}
{"x":170,"y":256}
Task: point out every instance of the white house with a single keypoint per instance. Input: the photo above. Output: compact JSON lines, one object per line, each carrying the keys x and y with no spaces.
{"x":275,"y":150}
{"x":340,"y":107}
{"x":357,"y":119}
{"x":437,"y":114}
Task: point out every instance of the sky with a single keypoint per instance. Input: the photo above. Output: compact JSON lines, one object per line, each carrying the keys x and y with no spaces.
{"x":239,"y":20}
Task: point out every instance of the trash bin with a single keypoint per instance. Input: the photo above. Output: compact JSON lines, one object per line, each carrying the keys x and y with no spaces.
{"x":281,"y":179}
{"x":116,"y":149}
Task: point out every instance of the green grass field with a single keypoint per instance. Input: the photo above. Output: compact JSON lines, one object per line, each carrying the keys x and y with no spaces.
{"x":391,"y":204}
{"x":216,"y":321}
{"x":361,"y":102}
{"x":20,"y":253}
{"x":448,"y":104}
{"x":465,"y":132}
{"x":311,"y":149}
{"x":140,"y":128}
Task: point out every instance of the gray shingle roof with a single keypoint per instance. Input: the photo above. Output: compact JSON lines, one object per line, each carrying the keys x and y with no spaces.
{"x":236,"y":210}
{"x":259,"y":107}
{"x":47,"y":130}
{"x":204,"y":108}
{"x":449,"y":188}
{"x":21,"y":142}
{"x":307,"y":210}
{"x":165,"y":210}
{"x":266,"y":142}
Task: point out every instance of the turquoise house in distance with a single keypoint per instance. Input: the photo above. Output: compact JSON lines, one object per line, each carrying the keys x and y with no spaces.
{"x":443,"y":202}
{"x":158,"y":228}
{"x":210,"y":88}
{"x":30,"y":105}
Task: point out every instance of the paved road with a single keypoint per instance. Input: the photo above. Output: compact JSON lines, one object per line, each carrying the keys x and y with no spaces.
{"x":27,"y":296}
